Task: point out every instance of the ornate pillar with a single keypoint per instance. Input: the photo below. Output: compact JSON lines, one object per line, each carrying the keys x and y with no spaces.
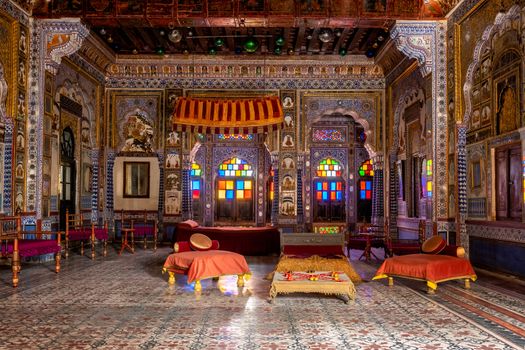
{"x":94,"y":185}
{"x":394,"y":186}
{"x":276,"y":188}
{"x":378,"y":191}
{"x":426,"y":41}
{"x":462,"y":236}
{"x":160,"y":207}
{"x":299,"y":203}
{"x":8,"y":167}
{"x":186,"y":206}
{"x":50,"y":41}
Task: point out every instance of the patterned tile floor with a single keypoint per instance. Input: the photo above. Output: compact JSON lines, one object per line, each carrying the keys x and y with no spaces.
{"x":125,"y":303}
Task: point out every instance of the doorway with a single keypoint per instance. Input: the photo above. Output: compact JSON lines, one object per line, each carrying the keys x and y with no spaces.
{"x":68,"y":175}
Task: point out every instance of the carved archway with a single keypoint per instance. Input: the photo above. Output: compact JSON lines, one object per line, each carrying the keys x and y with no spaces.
{"x":484,"y":44}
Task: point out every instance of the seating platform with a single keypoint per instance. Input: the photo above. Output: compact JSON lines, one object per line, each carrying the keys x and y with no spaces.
{"x":431,"y":268}
{"x":200,"y":265}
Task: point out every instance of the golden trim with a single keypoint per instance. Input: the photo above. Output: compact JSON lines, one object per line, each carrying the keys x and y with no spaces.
{"x":458,"y":91}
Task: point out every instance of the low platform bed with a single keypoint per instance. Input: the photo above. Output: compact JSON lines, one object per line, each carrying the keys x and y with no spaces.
{"x":314,"y":252}
{"x":431,"y":268}
{"x":242,"y":240}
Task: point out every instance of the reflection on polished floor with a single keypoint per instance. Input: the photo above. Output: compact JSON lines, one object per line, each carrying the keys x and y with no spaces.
{"x":126,"y":303}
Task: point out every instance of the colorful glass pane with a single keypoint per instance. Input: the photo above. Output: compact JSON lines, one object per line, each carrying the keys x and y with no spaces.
{"x":365,"y":189}
{"x":235,"y":167}
{"x":238,"y":189}
{"x":366,"y":169}
{"x":429,"y":167}
{"x":329,"y":168}
{"x":195,"y":170}
{"x":235,"y":137}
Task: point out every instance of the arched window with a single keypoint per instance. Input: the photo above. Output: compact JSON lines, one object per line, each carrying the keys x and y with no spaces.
{"x":196,"y":190}
{"x":235,"y":191}
{"x":364,"y":203}
{"x":329,"y":191}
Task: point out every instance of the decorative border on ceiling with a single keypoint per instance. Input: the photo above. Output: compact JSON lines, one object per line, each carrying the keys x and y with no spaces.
{"x":88,"y":67}
{"x":463,"y":8}
{"x":221,"y":83}
{"x":426,"y":41}
{"x":15,"y":12}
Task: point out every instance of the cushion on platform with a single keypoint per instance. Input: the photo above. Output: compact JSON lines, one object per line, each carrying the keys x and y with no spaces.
{"x":433,"y":245}
{"x":453,"y":250}
{"x":198,"y":241}
{"x":189,"y":223}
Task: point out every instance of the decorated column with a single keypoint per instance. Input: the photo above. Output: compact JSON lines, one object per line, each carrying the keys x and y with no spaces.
{"x":186,"y":207}
{"x":378,"y":191}
{"x":276,"y":187}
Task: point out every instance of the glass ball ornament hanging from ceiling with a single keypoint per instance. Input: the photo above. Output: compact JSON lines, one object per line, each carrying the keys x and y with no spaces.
{"x":279,"y":41}
{"x":251,"y":45}
{"x":219,"y":42}
{"x":326,"y":35}
{"x":175,"y":36}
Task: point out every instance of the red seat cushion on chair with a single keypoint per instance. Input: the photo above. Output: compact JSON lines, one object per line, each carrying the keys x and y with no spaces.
{"x":33,"y":247}
{"x":101,"y":233}
{"x":79,"y":235}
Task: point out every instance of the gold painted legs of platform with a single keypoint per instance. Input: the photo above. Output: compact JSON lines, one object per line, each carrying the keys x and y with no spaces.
{"x":431,"y":287}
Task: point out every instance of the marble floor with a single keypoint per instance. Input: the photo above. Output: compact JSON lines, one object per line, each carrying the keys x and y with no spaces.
{"x":124,"y":302}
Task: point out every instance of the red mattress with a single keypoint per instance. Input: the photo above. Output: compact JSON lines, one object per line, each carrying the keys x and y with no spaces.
{"x":427,"y":267}
{"x":243,"y":240}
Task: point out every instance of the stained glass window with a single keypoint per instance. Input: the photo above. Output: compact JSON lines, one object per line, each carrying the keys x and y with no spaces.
{"x":365,"y":189}
{"x":429,"y":181}
{"x":329,"y":190}
{"x":329,"y":168}
{"x":366,"y":168}
{"x":235,"y":167}
{"x":235,"y":188}
{"x":195,"y":170}
{"x":271,"y":188}
{"x":331,"y":135}
{"x":195,"y":182}
{"x":235,"y":137}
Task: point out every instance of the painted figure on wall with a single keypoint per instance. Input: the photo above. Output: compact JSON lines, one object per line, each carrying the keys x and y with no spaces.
{"x":507,"y":110}
{"x":138,"y":133}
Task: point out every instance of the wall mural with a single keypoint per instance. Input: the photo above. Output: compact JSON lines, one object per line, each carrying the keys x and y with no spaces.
{"x":138,"y":132}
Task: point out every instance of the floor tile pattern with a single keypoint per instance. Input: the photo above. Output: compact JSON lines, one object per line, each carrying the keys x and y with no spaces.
{"x":125,"y":303}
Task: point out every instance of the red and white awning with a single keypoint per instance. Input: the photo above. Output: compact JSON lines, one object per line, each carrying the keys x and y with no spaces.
{"x":228,"y":116}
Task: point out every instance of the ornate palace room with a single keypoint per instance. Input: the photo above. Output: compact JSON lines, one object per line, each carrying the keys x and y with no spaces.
{"x":262,"y":174}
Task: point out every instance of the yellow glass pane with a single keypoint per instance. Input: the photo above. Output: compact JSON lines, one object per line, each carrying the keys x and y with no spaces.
{"x":222,"y":194}
{"x":240,"y":194}
{"x":229,"y":185}
{"x":247,"y":185}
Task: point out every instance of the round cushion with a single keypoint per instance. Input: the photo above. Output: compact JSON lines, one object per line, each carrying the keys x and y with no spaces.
{"x":433,"y":245}
{"x":198,"y":241}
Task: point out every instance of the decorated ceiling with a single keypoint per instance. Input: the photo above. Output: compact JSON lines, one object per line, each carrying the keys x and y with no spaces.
{"x":243,"y":27}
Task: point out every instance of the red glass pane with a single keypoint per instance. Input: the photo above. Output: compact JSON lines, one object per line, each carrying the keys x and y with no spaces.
{"x":368,"y":194}
{"x":319,"y":195}
{"x":247,"y":194}
{"x":196,"y":194}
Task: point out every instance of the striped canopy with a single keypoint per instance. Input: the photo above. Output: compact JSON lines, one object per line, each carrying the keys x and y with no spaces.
{"x":228,"y":116}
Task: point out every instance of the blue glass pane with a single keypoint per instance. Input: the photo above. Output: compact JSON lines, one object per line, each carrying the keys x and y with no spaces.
{"x":362,"y":194}
{"x":368,"y":185}
{"x":325,"y":195}
{"x":221,"y":172}
{"x":332,"y":186}
{"x":319,"y":186}
{"x":229,"y":194}
{"x":240,"y":185}
{"x":196,"y":185}
{"x":339,"y":195}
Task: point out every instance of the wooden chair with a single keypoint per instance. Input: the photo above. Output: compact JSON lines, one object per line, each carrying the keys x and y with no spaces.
{"x":397,"y":246}
{"x":144,"y":228}
{"x":99,"y":232}
{"x":127,"y":230}
{"x":16,"y":244}
{"x":76,"y":231}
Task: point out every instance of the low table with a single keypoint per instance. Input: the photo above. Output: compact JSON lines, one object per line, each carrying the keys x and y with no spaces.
{"x":325,"y":282}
